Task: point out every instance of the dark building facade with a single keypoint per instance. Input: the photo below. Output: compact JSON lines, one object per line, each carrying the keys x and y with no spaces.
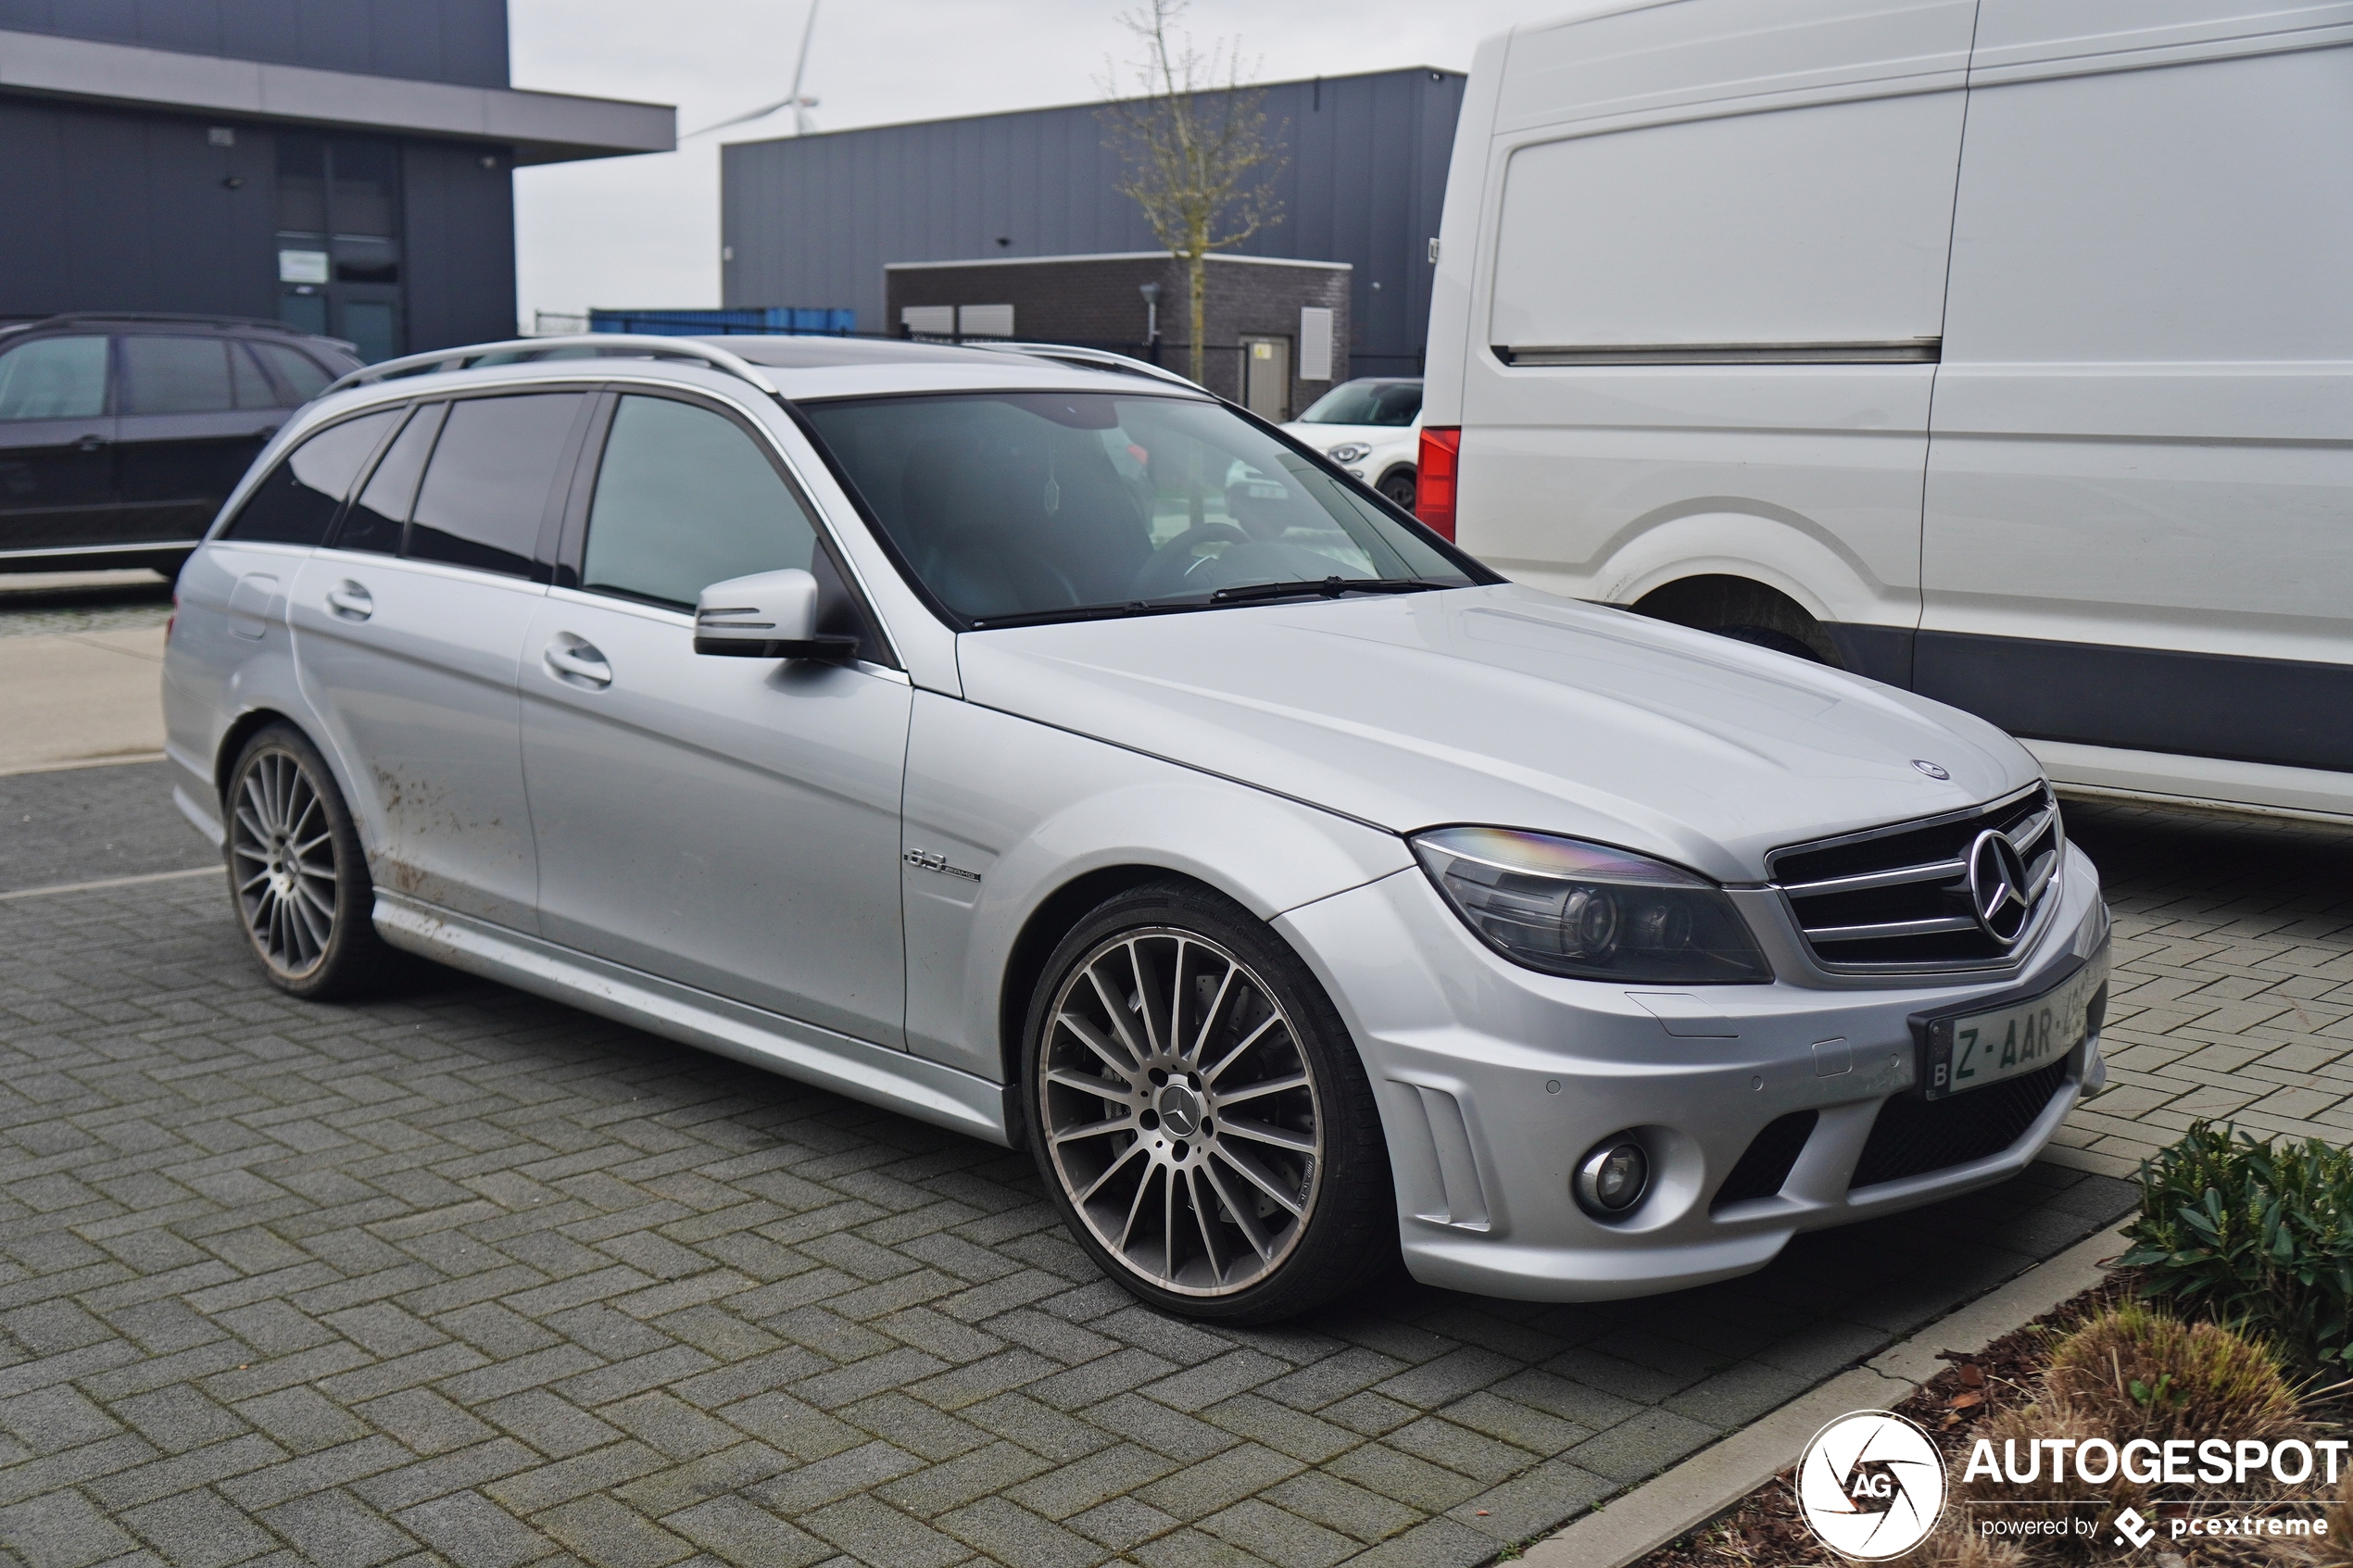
{"x":814,"y":219}
{"x":1277,"y":330}
{"x":345,"y":166}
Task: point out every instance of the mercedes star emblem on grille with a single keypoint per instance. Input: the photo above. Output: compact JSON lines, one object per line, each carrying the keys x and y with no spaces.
{"x":1997,"y":887}
{"x":1931,"y":768}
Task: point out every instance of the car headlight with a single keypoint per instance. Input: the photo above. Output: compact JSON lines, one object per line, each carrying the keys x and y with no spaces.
{"x":1351,"y":452}
{"x":1570,"y":908}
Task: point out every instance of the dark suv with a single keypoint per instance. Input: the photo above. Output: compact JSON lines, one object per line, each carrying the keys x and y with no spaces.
{"x":122,"y":435}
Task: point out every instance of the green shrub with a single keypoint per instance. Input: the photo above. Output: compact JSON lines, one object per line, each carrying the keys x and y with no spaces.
{"x":2253,"y":1233}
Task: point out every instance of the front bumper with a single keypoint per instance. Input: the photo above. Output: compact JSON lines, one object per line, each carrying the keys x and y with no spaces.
{"x":1494,"y":1081}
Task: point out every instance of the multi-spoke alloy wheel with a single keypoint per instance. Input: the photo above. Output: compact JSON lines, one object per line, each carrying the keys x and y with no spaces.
{"x":296,"y":869}
{"x":282,"y":852}
{"x":1187,"y":1115}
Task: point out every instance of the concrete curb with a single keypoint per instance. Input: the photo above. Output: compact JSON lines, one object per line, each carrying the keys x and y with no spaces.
{"x":1716,"y":1478}
{"x":71,"y":763}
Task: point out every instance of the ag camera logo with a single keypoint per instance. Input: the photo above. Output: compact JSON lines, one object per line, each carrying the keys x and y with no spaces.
{"x":1871,"y":1485}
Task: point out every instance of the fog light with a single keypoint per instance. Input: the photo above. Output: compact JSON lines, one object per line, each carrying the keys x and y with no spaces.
{"x":1613,"y":1178}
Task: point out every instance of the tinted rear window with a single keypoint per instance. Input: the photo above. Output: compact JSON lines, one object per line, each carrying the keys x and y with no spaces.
{"x":294,"y":504}
{"x":380,"y":516}
{"x":175,"y":375}
{"x":488,"y":484}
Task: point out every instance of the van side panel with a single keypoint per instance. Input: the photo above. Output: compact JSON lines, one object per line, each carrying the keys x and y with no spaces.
{"x":1753,"y":198}
{"x":1825,"y":226}
{"x":2139,"y":528}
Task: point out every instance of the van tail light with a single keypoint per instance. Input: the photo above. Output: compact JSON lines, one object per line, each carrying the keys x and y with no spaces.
{"x":1434,"y":478}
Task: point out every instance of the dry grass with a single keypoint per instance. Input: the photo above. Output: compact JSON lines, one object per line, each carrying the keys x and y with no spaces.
{"x":2139,"y":1371}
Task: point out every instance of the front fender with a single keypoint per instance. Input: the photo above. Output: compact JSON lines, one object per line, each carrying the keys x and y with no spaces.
{"x":1003,"y":813}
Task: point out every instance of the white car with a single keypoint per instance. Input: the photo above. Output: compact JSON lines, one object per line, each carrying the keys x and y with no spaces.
{"x":1372,"y":427}
{"x":952,"y":729}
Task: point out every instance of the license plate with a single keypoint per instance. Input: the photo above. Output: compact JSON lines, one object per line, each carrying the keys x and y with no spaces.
{"x":1974,"y":1050}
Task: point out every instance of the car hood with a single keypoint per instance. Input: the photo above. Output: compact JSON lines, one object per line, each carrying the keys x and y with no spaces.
{"x":1325,"y":437}
{"x":1505,"y":706}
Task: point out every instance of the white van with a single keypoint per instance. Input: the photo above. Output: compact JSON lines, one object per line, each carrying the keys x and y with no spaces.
{"x":2002,"y":349}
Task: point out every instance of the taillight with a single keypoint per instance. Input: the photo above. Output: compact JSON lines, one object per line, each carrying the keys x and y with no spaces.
{"x":1434,"y":481}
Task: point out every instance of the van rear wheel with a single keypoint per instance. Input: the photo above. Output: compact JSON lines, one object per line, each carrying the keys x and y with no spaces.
{"x":1744,"y":611}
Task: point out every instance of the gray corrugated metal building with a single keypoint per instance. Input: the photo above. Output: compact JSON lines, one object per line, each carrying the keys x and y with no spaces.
{"x":173,"y":157}
{"x":813,"y":219}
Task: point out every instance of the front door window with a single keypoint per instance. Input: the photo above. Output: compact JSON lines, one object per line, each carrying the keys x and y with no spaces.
{"x":339,"y":240}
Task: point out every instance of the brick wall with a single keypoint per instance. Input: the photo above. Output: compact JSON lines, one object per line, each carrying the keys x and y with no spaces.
{"x":1094,"y":300}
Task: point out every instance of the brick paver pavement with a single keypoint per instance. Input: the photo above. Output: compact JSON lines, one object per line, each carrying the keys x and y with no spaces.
{"x":2233,"y":994}
{"x":472,"y":1278}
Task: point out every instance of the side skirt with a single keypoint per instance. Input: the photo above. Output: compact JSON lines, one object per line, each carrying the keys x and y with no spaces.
{"x":876,"y":1074}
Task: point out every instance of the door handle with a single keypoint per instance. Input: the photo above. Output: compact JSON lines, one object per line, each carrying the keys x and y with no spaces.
{"x":351,"y":601}
{"x":90,"y":443}
{"x":571,"y":658}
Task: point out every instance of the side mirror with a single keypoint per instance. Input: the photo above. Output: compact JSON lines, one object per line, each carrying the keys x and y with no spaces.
{"x":767,"y":615}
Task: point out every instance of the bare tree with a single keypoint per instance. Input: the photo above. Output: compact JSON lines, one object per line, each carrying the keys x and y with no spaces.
{"x":1198,"y":159}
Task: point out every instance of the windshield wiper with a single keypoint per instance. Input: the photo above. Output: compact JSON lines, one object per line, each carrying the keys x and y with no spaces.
{"x":1321,"y":587}
{"x":1327,"y":587}
{"x":1068,"y":613}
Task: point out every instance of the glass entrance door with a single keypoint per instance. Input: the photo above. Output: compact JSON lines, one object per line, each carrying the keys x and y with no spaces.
{"x":339,"y":241}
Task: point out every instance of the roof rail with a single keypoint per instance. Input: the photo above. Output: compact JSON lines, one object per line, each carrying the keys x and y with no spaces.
{"x":1090,"y":358}
{"x":185,"y":318}
{"x":530,"y":350}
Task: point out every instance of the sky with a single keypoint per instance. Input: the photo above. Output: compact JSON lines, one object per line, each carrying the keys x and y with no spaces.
{"x":643,"y":231}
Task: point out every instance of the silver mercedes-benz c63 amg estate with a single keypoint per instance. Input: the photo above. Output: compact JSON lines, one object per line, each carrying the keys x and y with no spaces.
{"x":1029,"y":743}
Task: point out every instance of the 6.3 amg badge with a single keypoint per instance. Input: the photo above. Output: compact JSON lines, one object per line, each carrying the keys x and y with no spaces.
{"x":1871,"y":1485}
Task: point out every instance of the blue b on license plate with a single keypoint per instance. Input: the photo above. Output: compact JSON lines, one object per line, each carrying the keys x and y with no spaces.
{"x":1976,"y":1050}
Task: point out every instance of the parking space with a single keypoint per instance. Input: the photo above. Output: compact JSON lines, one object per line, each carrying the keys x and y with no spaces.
{"x":470,"y":1273}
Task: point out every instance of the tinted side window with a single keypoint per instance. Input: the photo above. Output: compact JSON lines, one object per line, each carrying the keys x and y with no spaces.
{"x":685,"y":498}
{"x":487,"y":486}
{"x":294,"y":504}
{"x":301,"y":376}
{"x":378,"y":516}
{"x":54,"y":378}
{"x":175,"y":375}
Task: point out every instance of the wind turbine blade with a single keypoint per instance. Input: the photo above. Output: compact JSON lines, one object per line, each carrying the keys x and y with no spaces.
{"x":761,"y":112}
{"x":799,"y":69}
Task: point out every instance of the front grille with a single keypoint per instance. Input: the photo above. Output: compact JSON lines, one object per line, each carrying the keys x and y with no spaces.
{"x":1913,"y":1137}
{"x":1769,"y":1159}
{"x":1898,"y":898}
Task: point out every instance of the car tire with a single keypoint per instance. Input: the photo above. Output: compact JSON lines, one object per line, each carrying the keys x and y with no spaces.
{"x":297,"y":874}
{"x":1149,"y":1040}
{"x":1399,"y":488}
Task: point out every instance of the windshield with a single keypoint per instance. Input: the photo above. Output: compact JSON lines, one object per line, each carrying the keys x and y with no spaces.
{"x":1047,"y":505}
{"x":1366,"y":403}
